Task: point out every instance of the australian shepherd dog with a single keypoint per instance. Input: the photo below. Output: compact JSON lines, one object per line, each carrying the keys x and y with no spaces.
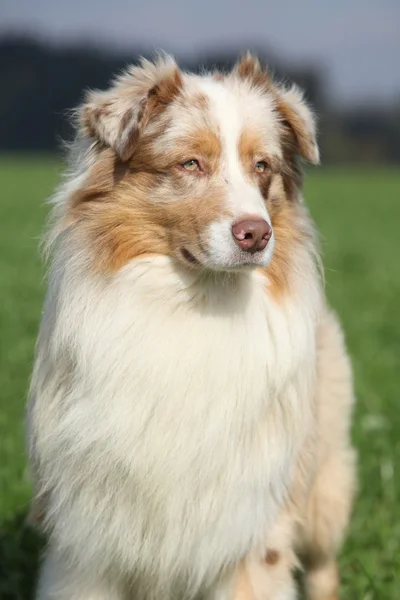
{"x":190,"y":403}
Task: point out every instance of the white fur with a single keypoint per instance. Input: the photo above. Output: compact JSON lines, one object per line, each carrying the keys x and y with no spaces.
{"x":232,"y":112}
{"x":167,"y":415}
{"x":229,"y":111}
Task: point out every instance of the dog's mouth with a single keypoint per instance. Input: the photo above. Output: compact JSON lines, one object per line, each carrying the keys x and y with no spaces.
{"x":242,"y":261}
{"x":188,"y":256}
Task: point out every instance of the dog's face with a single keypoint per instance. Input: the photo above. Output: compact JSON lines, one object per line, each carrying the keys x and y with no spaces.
{"x":201,"y":168}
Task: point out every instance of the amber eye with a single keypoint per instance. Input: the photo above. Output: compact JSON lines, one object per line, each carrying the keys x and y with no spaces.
{"x":191,"y":165}
{"x":261,"y":166}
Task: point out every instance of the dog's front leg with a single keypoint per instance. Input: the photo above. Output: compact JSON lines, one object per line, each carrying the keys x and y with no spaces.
{"x":269,"y":575}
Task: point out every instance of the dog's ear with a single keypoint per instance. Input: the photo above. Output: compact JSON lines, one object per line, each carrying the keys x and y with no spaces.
{"x":249,"y":68}
{"x":296,"y":117}
{"x":117,"y":117}
{"x":298,"y":122}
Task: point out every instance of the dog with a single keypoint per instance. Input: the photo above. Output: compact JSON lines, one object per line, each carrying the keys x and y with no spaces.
{"x":190,"y":403}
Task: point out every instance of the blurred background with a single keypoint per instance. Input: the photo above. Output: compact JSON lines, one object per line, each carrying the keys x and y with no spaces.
{"x":346,"y":55}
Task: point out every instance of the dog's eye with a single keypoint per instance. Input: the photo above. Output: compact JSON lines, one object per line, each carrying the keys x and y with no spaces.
{"x":261,"y":166}
{"x":191,"y":165}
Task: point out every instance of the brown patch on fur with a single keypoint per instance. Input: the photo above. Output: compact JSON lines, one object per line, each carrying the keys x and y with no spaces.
{"x":292,"y":173}
{"x":250,"y":69}
{"x":286,"y":238}
{"x":119,"y":233}
{"x":100,"y":180}
{"x":200,"y":101}
{"x":289,"y":234}
{"x":251,"y":149}
{"x":122,"y":230}
{"x":127,"y":213}
{"x":203,"y":143}
{"x":199,"y":143}
{"x":164,"y":92}
{"x":272,"y":557}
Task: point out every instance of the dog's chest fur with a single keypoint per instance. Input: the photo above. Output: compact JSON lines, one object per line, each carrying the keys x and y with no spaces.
{"x":182,"y":414}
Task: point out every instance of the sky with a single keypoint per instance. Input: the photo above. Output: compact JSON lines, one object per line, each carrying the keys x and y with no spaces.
{"x":355,"y":42}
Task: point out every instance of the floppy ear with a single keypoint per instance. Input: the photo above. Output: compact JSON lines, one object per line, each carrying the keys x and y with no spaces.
{"x":299,"y":122}
{"x":117,"y":117}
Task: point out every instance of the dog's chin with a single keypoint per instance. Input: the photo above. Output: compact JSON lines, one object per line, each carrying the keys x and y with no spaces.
{"x":237,"y":261}
{"x":245,"y":264}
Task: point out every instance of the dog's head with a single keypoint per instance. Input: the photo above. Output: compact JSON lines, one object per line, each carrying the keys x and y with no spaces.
{"x":201,"y":168}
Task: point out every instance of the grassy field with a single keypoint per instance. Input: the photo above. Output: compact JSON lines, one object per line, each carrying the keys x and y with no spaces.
{"x":357,"y":214}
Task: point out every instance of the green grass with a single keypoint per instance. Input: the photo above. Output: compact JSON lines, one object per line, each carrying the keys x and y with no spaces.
{"x":358,"y":214}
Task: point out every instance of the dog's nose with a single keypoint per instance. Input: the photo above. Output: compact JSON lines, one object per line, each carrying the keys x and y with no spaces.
{"x":252,"y":234}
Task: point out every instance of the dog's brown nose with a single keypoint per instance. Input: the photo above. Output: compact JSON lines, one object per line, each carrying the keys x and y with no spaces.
{"x":251,"y":234}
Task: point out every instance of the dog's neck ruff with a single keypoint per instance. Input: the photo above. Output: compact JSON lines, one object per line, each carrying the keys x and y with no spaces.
{"x":201,"y":388}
